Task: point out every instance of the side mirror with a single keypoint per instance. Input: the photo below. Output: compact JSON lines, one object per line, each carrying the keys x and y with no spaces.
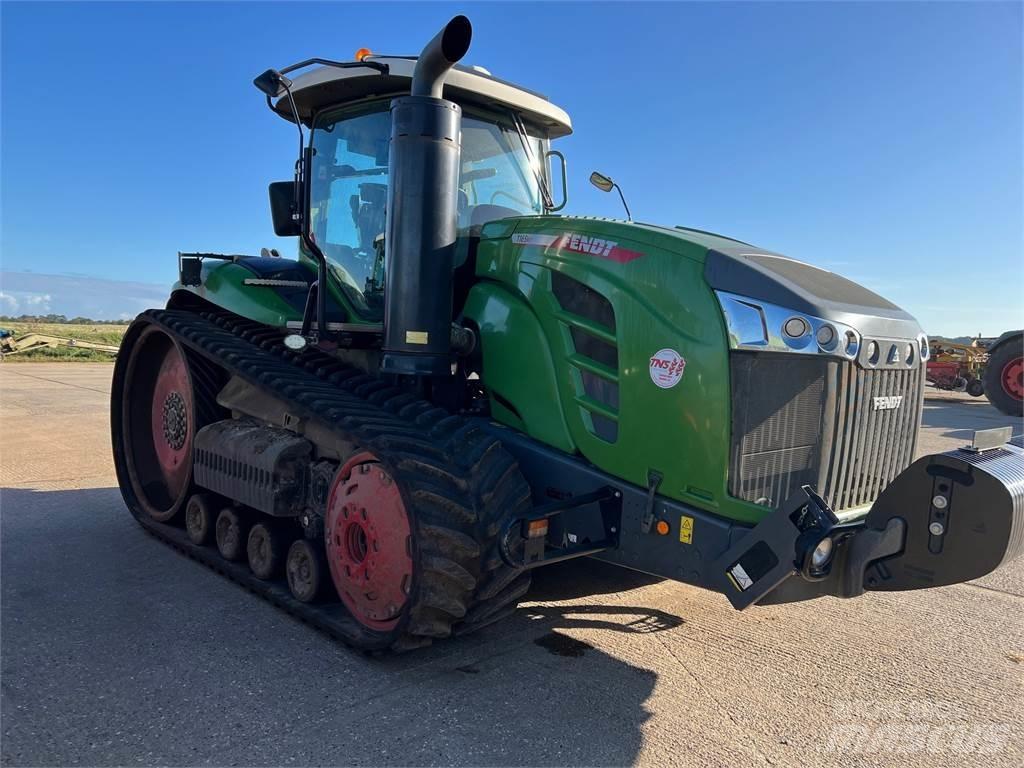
{"x":282,"y":209}
{"x":272,"y":83}
{"x":601,"y":181}
{"x":605,"y":184}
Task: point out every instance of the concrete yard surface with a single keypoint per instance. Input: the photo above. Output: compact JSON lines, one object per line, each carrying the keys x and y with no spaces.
{"x":117,"y":650}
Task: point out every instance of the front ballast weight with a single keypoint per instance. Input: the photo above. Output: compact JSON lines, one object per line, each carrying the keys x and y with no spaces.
{"x":947,"y":519}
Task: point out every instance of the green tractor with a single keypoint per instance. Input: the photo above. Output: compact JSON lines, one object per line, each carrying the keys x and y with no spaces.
{"x":452,"y":385}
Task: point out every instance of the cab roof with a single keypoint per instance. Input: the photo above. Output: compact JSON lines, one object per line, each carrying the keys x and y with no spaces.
{"x":391,"y":75}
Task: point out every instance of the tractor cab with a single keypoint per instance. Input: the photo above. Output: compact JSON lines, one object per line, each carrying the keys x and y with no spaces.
{"x":505,"y":167}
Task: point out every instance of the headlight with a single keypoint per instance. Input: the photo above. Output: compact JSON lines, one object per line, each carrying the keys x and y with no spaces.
{"x":822,"y":553}
{"x":795,"y":327}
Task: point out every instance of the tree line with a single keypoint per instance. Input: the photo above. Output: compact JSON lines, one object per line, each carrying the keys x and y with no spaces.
{"x":58,"y":320}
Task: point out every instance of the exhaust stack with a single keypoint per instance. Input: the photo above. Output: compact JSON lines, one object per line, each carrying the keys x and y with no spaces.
{"x":423,"y":182}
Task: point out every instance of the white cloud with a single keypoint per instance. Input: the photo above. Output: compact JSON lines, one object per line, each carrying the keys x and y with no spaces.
{"x":38,"y":301}
{"x":8,"y":304}
{"x":33,"y":293}
{"x":24,"y":303}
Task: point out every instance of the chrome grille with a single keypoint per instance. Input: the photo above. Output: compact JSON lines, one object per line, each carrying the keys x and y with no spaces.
{"x":812,"y":420}
{"x":865,"y":447}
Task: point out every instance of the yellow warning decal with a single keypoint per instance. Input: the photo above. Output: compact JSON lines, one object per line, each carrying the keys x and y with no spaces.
{"x":686,"y":529}
{"x":417,"y":337}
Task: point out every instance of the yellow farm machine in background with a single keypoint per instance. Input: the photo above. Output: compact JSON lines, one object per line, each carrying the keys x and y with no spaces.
{"x":957,"y":367}
{"x":991,"y":367}
{"x":26,"y":342}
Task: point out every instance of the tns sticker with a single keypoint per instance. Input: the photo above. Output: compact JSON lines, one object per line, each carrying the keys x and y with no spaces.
{"x":667,"y":367}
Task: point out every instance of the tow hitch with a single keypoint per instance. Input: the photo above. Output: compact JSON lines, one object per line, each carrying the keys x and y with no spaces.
{"x":948,"y":518}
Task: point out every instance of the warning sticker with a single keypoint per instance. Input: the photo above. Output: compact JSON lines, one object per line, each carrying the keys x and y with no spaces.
{"x":667,"y":367}
{"x":686,"y":530}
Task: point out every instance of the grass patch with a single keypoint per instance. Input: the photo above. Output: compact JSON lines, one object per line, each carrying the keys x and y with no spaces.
{"x":60,"y":355}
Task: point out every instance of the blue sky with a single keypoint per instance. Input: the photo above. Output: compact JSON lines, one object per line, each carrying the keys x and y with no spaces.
{"x":882,"y":141}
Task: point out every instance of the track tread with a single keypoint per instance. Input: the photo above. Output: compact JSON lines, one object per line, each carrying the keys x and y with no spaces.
{"x":461,"y":483}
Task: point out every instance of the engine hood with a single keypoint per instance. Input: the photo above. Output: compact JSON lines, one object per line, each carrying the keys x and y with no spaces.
{"x":805,"y":288}
{"x":735,"y":267}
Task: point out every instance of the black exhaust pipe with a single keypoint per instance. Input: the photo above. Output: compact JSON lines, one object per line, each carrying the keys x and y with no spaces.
{"x":423,"y":188}
{"x":446,"y":49}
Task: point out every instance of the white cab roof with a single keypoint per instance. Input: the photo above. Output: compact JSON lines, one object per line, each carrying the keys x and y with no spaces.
{"x":327,"y":86}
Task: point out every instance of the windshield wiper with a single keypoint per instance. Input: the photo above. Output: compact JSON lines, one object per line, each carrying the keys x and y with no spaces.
{"x":531,"y":160}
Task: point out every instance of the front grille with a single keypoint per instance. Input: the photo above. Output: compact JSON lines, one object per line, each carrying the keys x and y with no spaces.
{"x":811,"y":420}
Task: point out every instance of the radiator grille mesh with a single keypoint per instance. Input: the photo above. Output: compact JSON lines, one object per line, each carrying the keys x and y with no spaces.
{"x":811,"y":420}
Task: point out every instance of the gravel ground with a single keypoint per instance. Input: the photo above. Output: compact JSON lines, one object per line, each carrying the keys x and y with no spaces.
{"x":117,"y":651}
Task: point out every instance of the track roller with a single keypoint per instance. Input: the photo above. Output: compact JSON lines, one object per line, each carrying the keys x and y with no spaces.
{"x":201,"y":518}
{"x":306,"y":570}
{"x":266,"y":550}
{"x":232,"y":533}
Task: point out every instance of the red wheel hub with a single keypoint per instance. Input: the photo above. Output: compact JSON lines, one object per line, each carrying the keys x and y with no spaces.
{"x":369,"y":542}
{"x":1012,"y":378}
{"x":170,"y":421}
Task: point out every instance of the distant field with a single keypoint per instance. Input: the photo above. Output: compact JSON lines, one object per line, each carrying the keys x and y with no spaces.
{"x":100,"y":334}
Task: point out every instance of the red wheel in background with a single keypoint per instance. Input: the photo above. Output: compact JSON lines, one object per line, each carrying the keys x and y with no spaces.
{"x":1012,"y":378}
{"x":1004,"y":376}
{"x":369,"y":543}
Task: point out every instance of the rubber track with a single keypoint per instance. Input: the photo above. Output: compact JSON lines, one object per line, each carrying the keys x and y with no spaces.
{"x":451,"y":459}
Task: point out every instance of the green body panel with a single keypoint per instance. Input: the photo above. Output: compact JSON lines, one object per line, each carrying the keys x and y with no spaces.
{"x":655,"y":283}
{"x":518,"y":366}
{"x":222,"y":285}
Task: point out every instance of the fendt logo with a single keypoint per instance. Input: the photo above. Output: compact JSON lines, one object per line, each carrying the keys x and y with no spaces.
{"x":596,"y":246}
{"x":583,"y":244}
{"x":572,"y":241}
{"x":888,"y":402}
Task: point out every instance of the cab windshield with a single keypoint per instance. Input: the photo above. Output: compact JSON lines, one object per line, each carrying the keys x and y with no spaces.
{"x":349,"y":181}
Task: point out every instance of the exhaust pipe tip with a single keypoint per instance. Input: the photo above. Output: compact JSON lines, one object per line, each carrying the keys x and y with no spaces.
{"x":440,"y":54}
{"x":455,"y":38}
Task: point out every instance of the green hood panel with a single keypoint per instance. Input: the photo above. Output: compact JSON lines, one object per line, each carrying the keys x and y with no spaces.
{"x":222,"y":283}
{"x":620,"y":305}
{"x":692,"y":243}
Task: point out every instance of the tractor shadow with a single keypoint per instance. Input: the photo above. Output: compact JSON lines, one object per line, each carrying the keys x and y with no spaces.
{"x":123,"y":652}
{"x":585,"y":577}
{"x":576,"y":580}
